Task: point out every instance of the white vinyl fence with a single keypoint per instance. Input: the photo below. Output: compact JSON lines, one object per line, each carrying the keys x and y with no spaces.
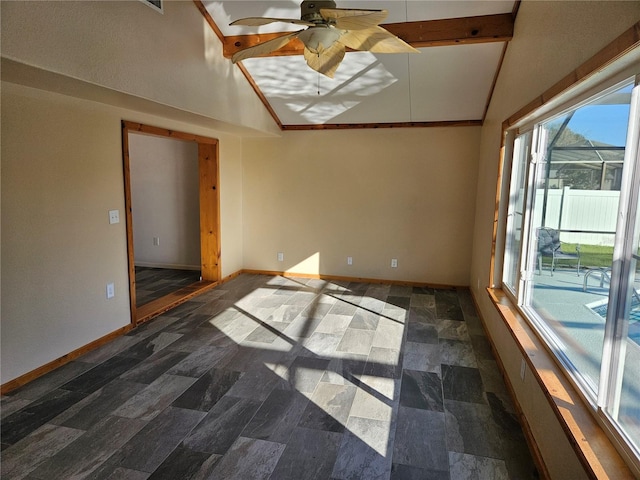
{"x":584,"y":210}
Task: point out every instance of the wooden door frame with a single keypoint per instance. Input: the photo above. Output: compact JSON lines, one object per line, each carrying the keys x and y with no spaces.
{"x":208,"y":173}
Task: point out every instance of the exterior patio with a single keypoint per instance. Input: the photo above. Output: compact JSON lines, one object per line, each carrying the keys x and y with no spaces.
{"x":575,"y":308}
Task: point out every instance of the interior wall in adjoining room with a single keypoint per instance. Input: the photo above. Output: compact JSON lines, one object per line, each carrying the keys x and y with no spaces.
{"x":551,"y":39}
{"x":373,"y":195}
{"x":165,"y":202}
{"x":62,"y":171}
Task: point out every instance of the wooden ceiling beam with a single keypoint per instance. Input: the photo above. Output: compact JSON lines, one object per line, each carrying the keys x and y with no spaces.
{"x":455,"y":31}
{"x":428,"y":33}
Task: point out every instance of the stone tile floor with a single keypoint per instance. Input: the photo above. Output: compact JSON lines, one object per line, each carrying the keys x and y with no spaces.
{"x":153,"y":283}
{"x":278,"y":378}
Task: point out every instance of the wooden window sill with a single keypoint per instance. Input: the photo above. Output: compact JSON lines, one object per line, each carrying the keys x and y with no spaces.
{"x":592,"y":446}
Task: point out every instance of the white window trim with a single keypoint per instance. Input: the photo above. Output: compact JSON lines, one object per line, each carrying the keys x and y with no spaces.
{"x":614,"y":73}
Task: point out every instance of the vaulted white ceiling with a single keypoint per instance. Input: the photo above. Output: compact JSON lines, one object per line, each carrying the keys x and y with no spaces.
{"x":449,"y":82}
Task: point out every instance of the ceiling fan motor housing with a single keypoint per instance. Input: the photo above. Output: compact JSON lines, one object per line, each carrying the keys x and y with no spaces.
{"x":310,"y":10}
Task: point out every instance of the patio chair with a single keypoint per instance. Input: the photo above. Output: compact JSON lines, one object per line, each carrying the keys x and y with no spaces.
{"x":549,"y":245}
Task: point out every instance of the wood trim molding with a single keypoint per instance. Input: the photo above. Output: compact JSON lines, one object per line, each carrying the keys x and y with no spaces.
{"x":496,"y":212}
{"x":165,"y":132}
{"x":320,"y":276}
{"x":495,"y":80}
{"x":209,"y":19}
{"x":626,"y":42}
{"x":58,"y":362}
{"x":592,"y":446}
{"x":209,"y":204}
{"x":209,"y":181}
{"x":524,"y":423}
{"x":453,"y":31}
{"x":230,"y":277}
{"x":261,"y":96}
{"x":126,"y":166}
{"x":347,"y":126}
{"x":163,"y":304}
{"x":516,"y":8}
{"x":428,"y":33}
{"x":203,"y":10}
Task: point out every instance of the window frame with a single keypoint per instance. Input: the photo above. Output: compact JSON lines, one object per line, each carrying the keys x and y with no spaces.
{"x":625,"y":248}
{"x":574,"y":96}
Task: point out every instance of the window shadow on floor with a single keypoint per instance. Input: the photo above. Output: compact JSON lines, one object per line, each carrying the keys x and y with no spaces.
{"x":272,"y":377}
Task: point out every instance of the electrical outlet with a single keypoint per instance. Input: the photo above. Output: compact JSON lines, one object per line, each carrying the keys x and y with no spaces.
{"x":523,"y":368}
{"x":394,"y":263}
{"x":349,"y":260}
{"x":114,"y":216}
{"x":156,"y":241}
{"x":280,"y":257}
{"x":111,"y":290}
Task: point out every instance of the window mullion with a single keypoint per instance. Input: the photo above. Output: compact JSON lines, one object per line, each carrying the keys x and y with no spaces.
{"x":528,"y":258}
{"x":622,"y":273}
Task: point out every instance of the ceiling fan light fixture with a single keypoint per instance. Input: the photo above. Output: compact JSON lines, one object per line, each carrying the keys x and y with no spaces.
{"x":319,"y":39}
{"x":329,"y":31}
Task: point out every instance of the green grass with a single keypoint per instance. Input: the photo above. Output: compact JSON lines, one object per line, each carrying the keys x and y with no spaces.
{"x":591,"y":255}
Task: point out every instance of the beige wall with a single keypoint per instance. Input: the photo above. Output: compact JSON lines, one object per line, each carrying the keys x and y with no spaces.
{"x":61,"y":156}
{"x":551,"y":39}
{"x":318,"y":197}
{"x":375,"y":195}
{"x":165,"y":200}
{"x":61,"y":174}
{"x":173,"y":58}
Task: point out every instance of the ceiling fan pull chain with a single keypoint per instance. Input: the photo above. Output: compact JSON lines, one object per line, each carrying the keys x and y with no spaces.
{"x":318,"y":83}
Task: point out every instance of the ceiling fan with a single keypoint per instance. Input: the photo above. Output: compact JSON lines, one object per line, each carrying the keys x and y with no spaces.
{"x":330,"y":30}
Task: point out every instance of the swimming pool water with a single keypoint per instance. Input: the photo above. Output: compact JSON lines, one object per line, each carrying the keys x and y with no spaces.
{"x":634,"y":315}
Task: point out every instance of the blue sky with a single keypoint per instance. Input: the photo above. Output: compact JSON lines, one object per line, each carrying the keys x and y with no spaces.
{"x":604,"y":123}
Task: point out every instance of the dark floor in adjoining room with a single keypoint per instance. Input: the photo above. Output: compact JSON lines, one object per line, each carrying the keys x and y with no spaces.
{"x":153,"y":283}
{"x":278,"y":378}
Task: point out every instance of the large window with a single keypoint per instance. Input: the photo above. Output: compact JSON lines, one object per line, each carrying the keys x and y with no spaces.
{"x":571,"y":246}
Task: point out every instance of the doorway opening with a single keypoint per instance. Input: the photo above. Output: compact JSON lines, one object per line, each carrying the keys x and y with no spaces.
{"x":199,"y":266}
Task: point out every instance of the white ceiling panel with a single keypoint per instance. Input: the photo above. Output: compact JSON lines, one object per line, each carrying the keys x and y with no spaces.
{"x":440,"y":84}
{"x":453,"y":83}
{"x":386,"y":79}
{"x":224,"y":12}
{"x":301,"y":96}
{"x":437,"y":10}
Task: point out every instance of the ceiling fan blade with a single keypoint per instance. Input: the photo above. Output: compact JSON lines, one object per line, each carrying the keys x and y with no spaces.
{"x":352,"y":19}
{"x":259,"y":21}
{"x":326,"y":61}
{"x":263,"y":48}
{"x":376,"y":40}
